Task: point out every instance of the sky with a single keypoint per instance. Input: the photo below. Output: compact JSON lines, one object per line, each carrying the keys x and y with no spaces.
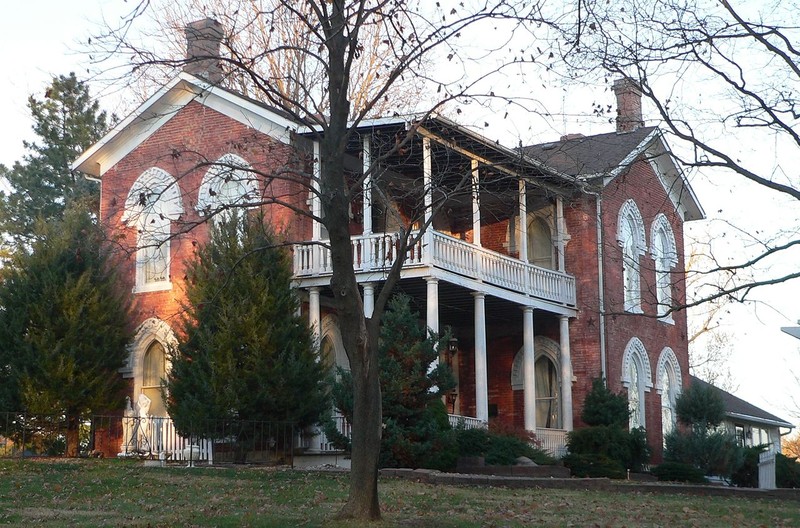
{"x":41,"y":38}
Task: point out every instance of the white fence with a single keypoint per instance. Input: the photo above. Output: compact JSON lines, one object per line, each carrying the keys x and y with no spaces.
{"x":766,"y":470}
{"x":554,"y":441}
{"x":157,"y":437}
{"x":467,"y":422}
{"x":316,"y":441}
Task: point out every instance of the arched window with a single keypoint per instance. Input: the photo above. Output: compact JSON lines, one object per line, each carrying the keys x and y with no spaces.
{"x":665,"y":257}
{"x":153,"y":202}
{"x":540,"y":242}
{"x":153,"y":373}
{"x":547,"y":402}
{"x":547,"y":378}
{"x":668,"y":385}
{"x":230,"y":181}
{"x":632,"y":241}
{"x":637,"y":378}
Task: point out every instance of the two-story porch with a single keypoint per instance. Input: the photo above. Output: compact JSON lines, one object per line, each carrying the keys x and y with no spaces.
{"x":482,"y":231}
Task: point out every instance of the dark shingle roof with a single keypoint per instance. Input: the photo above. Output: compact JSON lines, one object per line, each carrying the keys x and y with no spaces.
{"x":589,"y":155}
{"x":738,"y":408}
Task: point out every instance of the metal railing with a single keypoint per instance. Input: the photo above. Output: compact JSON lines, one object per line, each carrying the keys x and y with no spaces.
{"x":467,"y":422}
{"x":554,"y":441}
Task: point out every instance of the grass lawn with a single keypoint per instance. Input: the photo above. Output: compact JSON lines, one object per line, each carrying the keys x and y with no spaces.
{"x":123,"y":493}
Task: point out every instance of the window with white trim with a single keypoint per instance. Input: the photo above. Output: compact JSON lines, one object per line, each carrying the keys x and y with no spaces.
{"x":665,"y":257}
{"x":152,"y":204}
{"x":632,"y":241}
{"x":637,"y":379}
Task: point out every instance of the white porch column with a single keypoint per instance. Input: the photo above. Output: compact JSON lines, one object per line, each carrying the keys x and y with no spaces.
{"x":476,"y":204}
{"x":314,"y":314}
{"x":522,"y":243}
{"x":427,"y":181}
{"x":366,"y":249}
{"x":566,"y":375}
{"x":529,"y":369}
{"x":316,"y":210}
{"x":560,"y":233}
{"x":481,"y":374}
{"x":432,"y":308}
{"x":369,"y":299}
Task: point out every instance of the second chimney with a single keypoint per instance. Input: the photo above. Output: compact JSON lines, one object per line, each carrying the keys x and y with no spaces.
{"x":203,"y":39}
{"x":629,"y":105}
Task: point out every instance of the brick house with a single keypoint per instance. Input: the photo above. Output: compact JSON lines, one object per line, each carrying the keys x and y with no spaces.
{"x":559,"y":264}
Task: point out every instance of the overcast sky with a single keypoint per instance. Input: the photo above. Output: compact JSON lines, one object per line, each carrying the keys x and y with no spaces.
{"x":39,"y":39}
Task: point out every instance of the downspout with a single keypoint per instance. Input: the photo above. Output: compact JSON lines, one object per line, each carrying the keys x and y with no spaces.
{"x":601,"y":287}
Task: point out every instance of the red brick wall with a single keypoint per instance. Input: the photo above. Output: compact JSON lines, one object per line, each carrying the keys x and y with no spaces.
{"x":643,"y":186}
{"x":194,"y":136}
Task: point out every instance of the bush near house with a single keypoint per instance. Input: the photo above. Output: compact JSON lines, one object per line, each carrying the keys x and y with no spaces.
{"x":500,"y":445}
{"x":679,"y":472}
{"x":606,"y":448}
{"x":701,"y":410}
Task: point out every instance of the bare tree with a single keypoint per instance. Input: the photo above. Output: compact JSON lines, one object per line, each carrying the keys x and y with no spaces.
{"x":307,"y":60}
{"x":724,"y":81}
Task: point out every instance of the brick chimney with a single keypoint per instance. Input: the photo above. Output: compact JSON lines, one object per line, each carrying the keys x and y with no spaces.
{"x":629,"y":105}
{"x":203,"y":39}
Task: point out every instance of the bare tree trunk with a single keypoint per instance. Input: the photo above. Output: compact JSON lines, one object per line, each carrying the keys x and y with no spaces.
{"x":73,"y":435}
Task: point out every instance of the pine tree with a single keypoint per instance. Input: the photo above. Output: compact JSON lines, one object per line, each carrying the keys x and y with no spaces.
{"x":63,"y":330}
{"x":66,"y":122}
{"x":415,"y":420}
{"x":246,"y":355}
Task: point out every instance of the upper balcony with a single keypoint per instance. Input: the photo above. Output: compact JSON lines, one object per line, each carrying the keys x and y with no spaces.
{"x":494,"y":217}
{"x":377,"y":253}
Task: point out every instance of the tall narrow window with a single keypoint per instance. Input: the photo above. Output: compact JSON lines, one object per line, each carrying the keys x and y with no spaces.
{"x":637,"y":378}
{"x":153,"y":374}
{"x":547,"y":404}
{"x":668,"y":384}
{"x":540,"y":242}
{"x":665,"y":257}
{"x":631,"y":239}
{"x":153,"y":202}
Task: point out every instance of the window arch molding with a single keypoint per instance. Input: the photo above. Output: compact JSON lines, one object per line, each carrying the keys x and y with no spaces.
{"x":330,"y":330}
{"x":228,"y":181}
{"x":150,"y":331}
{"x":542,"y":346}
{"x":153,"y":202}
{"x":668,"y":364}
{"x":548,"y":381}
{"x":633,"y":242}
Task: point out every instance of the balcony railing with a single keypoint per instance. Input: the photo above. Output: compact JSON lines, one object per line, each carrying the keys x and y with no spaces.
{"x":378,"y":252}
{"x":554,"y":441}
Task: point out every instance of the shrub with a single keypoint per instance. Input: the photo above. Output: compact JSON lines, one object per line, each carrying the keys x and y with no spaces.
{"x":629,"y":448}
{"x":714,"y":453}
{"x":746,"y":475}
{"x":594,"y":466}
{"x":679,"y":472}
{"x":787,"y":472}
{"x":500,"y":445}
{"x":603,"y":407}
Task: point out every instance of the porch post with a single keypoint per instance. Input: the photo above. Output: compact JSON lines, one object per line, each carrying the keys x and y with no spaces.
{"x":427,"y":179}
{"x":369,"y":299}
{"x":476,"y":204}
{"x":560,"y":235}
{"x":316,"y":211}
{"x":314,"y":314}
{"x":529,"y":369}
{"x":523,"y":221}
{"x":566,"y":375}
{"x":481,"y":375}
{"x":432,"y":307}
{"x":366,"y":211}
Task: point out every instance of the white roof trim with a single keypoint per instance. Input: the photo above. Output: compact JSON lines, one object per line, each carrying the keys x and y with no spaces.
{"x":162,"y":106}
{"x":765,"y":421}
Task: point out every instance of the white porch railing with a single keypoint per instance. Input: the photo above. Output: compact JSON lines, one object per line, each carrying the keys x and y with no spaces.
{"x":317,"y":442}
{"x":379,"y":251}
{"x":467,"y":422}
{"x":554,"y":441}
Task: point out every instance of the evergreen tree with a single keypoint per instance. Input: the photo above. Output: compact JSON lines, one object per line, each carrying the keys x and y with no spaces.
{"x":62,"y":326}
{"x":414,"y":417}
{"x":245,"y":353}
{"x":66,"y":122}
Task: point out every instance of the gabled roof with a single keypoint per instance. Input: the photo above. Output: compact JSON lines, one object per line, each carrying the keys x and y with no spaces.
{"x":163,"y":105}
{"x":601,"y":158}
{"x":738,"y":409}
